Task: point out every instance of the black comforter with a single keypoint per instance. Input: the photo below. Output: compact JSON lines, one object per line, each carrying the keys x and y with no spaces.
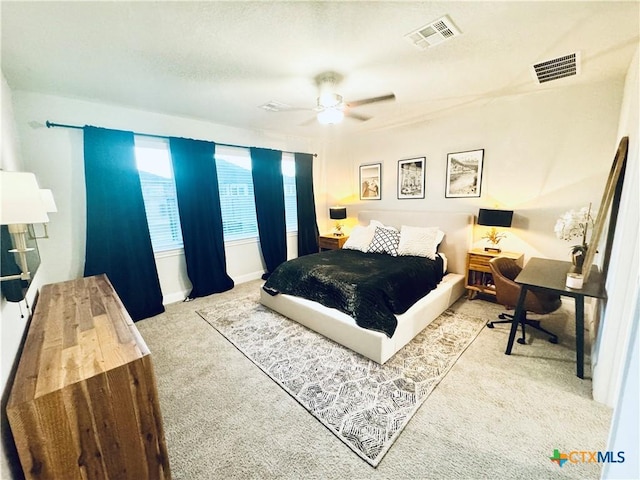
{"x":370,"y":287}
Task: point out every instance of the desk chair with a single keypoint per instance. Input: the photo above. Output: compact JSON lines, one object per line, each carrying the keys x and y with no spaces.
{"x":504,"y":271}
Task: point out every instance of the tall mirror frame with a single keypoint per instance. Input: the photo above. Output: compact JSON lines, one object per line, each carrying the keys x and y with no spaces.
{"x":608,"y":210}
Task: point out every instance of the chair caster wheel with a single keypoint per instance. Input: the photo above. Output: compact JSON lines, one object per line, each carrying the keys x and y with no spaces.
{"x":490,"y":325}
{"x":521,"y":341}
{"x":502,"y":316}
{"x":553,"y":340}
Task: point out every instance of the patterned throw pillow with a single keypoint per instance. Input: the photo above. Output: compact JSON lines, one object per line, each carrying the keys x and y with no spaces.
{"x":385,"y":240}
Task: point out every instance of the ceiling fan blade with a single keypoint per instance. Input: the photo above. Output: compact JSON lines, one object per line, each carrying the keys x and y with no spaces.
{"x":356,"y":116}
{"x":311,"y":121}
{"x":275,"y":107}
{"x":366,"y":101}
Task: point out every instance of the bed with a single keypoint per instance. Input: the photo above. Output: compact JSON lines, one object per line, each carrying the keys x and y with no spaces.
{"x":376,"y":345}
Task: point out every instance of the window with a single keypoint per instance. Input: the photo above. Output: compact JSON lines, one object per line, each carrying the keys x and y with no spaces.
{"x":289,"y":181}
{"x":159,"y":193}
{"x":236,"y":192}
{"x":235,"y":183}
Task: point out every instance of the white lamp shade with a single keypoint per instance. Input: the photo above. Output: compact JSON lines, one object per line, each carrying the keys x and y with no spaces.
{"x":21,"y":201}
{"x":48,"y":201}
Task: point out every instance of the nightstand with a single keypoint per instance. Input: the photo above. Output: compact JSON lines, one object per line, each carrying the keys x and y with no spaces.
{"x":331,"y":242}
{"x":479,"y":278}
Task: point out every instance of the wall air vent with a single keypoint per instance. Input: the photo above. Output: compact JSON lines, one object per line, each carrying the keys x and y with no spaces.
{"x":433,"y":33}
{"x":556,"y":68}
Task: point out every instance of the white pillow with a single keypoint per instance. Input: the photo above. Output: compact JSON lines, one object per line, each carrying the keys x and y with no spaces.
{"x":445,"y":262}
{"x":360,"y":238}
{"x":419,"y":241}
{"x":376,"y":223}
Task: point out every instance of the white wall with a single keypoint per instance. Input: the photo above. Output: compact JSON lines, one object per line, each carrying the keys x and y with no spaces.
{"x":615,"y":380}
{"x":545,"y":153}
{"x":55,"y":155}
{"x":13,"y":316}
{"x":623,"y":279}
{"x":11,"y":324}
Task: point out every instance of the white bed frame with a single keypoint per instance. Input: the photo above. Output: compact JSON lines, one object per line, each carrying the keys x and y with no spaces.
{"x":342,"y":329}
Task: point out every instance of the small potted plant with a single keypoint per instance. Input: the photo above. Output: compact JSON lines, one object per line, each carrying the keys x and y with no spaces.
{"x":575,"y":224}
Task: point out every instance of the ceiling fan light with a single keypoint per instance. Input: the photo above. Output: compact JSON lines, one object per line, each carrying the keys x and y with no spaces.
{"x":328,"y":100}
{"x":330,"y":116}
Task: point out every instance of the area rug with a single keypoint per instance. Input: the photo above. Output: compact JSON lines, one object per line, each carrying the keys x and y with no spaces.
{"x":366,"y":405}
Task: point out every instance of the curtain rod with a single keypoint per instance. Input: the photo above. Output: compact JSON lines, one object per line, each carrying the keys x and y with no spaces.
{"x":78,"y":127}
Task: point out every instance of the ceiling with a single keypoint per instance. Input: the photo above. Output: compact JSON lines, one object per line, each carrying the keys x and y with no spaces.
{"x":219,"y":61}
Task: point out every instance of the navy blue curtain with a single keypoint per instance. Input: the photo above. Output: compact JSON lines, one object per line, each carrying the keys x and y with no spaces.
{"x":266,"y":169}
{"x":196,"y":180}
{"x":118,"y":241}
{"x":306,"y":205}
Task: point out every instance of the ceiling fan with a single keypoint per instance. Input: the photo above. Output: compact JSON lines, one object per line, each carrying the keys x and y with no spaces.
{"x":330,"y":106}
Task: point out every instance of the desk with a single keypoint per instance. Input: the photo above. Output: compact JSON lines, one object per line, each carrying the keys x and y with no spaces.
{"x":551,"y":275}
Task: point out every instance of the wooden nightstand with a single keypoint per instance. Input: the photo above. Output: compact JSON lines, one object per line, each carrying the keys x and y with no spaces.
{"x":331,"y":242}
{"x":478,"y":278}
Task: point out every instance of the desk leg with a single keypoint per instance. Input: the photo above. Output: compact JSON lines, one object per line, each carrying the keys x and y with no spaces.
{"x":580,"y":336}
{"x":516,"y":319}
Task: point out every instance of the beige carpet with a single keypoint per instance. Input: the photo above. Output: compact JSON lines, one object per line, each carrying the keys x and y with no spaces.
{"x":492,"y":416}
{"x":364,"y":404}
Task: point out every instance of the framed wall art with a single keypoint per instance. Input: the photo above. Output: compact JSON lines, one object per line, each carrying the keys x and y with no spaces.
{"x":370,"y":181}
{"x":464,"y":174}
{"x":411,"y":178}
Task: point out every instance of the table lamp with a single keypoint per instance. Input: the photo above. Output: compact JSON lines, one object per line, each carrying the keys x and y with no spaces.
{"x":21,"y":204}
{"x":493,"y":219}
{"x":338,"y":213}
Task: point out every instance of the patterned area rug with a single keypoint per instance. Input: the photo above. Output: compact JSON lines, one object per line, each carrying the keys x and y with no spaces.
{"x":366,"y":405}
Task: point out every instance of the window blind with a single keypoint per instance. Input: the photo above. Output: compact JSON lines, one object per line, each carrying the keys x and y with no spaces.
{"x":159,"y":193}
{"x":233,"y":165}
{"x":289,"y":182}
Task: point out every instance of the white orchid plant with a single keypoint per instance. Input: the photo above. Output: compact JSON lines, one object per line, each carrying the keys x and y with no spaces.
{"x":575,"y":224}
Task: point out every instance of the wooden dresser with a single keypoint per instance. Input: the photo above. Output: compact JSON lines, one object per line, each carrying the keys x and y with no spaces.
{"x":84,"y":403}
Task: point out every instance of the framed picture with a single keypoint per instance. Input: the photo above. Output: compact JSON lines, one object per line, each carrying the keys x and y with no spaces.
{"x":370,"y":181}
{"x":464,"y":174}
{"x":411,"y":178}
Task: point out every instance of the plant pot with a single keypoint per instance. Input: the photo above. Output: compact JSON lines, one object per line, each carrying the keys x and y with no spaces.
{"x":577,"y":259}
{"x":574,"y":280}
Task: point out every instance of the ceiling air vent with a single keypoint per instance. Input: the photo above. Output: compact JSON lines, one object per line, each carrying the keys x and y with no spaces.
{"x":274,"y":106}
{"x":556,"y":68}
{"x":433,"y":33}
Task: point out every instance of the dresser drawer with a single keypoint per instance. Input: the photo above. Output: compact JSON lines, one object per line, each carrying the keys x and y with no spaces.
{"x":479,"y":262}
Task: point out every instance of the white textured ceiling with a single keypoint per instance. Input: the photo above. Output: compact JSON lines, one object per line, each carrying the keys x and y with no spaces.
{"x":220,"y":61}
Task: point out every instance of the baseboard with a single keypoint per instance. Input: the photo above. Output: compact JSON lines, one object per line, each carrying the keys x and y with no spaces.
{"x":248,"y":277}
{"x":180,"y":296}
{"x":174,"y":297}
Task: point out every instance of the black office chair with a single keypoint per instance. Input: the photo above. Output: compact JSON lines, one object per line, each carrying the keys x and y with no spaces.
{"x":504,"y":271}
